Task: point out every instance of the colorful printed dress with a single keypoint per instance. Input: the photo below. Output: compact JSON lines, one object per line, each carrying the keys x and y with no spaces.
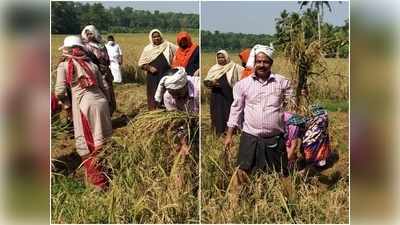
{"x":316,"y":145}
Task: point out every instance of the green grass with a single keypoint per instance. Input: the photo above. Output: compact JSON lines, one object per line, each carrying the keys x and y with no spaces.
{"x":335,"y":105}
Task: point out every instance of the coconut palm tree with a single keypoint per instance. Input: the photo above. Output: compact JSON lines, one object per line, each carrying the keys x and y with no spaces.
{"x":319,"y":6}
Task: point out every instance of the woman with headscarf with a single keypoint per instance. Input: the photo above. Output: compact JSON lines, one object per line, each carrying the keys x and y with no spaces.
{"x":156,"y":59}
{"x":97,"y":51}
{"x":316,"y":146}
{"x":187,"y":55}
{"x":220,"y":79}
{"x":91,"y":117}
{"x":244,"y":57}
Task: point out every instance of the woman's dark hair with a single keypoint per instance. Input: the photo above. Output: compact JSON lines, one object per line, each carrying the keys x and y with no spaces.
{"x":110,"y":38}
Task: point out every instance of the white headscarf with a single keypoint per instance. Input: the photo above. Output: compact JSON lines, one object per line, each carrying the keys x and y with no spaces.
{"x":176,"y":81}
{"x":231,"y":69}
{"x":152,"y":51}
{"x":93,"y":30}
{"x":268,"y":50}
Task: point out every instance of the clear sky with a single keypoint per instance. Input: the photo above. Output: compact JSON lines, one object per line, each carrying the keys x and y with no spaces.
{"x":258,"y":17}
{"x":162,"y":6}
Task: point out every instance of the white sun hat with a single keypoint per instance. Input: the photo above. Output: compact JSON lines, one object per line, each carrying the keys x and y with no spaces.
{"x":71,"y":41}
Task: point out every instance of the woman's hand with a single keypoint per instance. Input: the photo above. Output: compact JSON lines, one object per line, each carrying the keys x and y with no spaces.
{"x":152,"y":69}
{"x":211,"y":83}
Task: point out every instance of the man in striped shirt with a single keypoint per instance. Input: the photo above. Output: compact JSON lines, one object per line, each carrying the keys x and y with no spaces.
{"x":258,"y":110}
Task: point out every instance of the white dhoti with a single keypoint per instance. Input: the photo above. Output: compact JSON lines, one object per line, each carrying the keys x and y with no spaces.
{"x":116,"y":72}
{"x":115,"y":52}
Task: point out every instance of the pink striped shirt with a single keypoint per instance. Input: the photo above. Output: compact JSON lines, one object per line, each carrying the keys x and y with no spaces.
{"x":257,"y":105}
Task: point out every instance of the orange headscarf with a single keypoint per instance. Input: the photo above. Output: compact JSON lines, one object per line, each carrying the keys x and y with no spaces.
{"x":182,"y":56}
{"x":246,"y":72}
{"x":244,"y":56}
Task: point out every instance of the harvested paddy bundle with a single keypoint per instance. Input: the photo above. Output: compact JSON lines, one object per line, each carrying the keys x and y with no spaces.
{"x":156,"y":134}
{"x":148,"y":126}
{"x":305,"y":59}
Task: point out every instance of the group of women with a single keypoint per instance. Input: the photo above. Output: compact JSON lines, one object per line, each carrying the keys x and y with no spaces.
{"x":160,"y":55}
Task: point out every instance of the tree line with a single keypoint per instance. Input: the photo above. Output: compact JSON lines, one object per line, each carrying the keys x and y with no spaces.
{"x":334,"y":39}
{"x":71,"y":17}
{"x":214,"y":41}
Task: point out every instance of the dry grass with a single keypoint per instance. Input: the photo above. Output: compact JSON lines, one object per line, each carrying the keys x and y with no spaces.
{"x":267,"y":198}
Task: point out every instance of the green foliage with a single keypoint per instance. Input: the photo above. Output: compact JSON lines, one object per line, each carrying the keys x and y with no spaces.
{"x":71,"y":17}
{"x":232,"y":41}
{"x":334,"y":39}
{"x":63,"y":18}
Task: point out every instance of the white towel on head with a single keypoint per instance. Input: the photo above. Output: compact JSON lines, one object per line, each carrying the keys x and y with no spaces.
{"x":176,"y":81}
{"x":268,"y":50}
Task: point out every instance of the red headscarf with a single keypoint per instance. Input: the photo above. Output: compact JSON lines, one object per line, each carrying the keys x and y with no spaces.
{"x":244,"y":56}
{"x":80,"y":57}
{"x":182,"y":56}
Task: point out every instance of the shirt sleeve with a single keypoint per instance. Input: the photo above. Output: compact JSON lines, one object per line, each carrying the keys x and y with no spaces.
{"x":169,"y":103}
{"x":195,"y":81}
{"x":237,"y":107}
{"x":61,"y":86}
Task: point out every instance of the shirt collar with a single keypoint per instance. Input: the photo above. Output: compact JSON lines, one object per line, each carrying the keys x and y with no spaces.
{"x":270,"y":78}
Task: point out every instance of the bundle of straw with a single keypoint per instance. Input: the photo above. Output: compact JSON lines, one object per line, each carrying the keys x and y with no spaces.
{"x":148,"y":126}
